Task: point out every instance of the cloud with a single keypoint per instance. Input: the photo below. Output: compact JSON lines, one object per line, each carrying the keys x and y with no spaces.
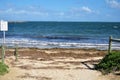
{"x":57,"y":13}
{"x":23,"y":11}
{"x":13,"y":11}
{"x":86,"y":9}
{"x":38,"y":12}
{"x":61,"y":13}
{"x":113,"y":3}
{"x":83,"y":9}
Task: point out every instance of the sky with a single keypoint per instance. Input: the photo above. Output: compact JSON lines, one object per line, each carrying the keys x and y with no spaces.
{"x":60,"y":10}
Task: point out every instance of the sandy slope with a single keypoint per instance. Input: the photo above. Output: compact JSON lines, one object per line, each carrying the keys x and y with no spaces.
{"x":55,"y":64}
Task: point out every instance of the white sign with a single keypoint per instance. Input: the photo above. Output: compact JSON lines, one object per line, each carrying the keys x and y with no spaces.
{"x":3,"y":26}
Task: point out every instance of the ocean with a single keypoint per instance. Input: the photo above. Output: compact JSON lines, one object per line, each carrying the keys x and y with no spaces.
{"x":62,"y":34}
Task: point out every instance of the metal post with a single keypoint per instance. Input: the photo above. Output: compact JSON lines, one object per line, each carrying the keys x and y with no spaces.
{"x":4,"y":38}
{"x":110,"y":44}
{"x":4,"y":42}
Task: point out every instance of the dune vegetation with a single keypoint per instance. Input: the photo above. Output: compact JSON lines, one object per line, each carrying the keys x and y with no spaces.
{"x":110,"y":63}
{"x":3,"y":68}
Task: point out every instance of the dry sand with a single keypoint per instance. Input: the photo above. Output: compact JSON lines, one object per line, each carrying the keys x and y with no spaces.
{"x":55,"y":64}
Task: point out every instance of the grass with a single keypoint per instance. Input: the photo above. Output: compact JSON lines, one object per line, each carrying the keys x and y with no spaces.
{"x":110,"y":63}
{"x":3,"y":68}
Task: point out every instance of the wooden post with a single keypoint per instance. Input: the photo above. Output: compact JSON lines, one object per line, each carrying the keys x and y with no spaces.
{"x":16,"y":52}
{"x":3,"y":54}
{"x":110,"y":44}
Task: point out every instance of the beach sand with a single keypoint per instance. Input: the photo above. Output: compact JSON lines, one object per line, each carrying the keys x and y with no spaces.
{"x":55,"y":64}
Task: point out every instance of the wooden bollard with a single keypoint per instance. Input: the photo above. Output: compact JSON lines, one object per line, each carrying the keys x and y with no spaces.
{"x":16,"y":53}
{"x":3,"y":53}
{"x":110,"y":44}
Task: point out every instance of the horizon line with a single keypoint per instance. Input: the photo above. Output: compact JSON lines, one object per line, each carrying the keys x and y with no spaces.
{"x":57,"y":21}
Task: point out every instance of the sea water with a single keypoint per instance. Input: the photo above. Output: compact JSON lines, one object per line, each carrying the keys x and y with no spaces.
{"x":62,"y":34}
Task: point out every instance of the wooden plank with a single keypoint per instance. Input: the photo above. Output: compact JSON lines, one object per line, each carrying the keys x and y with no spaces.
{"x":110,"y":43}
{"x":116,"y":40}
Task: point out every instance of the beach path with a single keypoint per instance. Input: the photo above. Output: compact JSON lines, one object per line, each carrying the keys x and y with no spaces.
{"x":52,"y":64}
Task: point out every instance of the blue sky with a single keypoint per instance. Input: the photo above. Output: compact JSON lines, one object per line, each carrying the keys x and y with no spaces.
{"x":60,"y":10}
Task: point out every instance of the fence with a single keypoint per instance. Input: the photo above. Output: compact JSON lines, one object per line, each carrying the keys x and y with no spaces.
{"x":110,"y":43}
{"x":3,"y":53}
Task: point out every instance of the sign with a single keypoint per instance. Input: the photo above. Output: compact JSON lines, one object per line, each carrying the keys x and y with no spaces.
{"x":3,"y":26}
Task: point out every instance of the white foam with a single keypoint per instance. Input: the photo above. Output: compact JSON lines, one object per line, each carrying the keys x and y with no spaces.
{"x":25,"y":42}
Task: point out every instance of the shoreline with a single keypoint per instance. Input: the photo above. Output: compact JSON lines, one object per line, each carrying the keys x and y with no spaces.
{"x":50,"y":45}
{"x":87,"y":49}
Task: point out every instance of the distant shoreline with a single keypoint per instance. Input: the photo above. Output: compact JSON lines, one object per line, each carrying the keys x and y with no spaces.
{"x":70,"y":21}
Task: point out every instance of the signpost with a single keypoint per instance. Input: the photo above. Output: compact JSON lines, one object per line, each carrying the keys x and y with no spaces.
{"x":3,"y":27}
